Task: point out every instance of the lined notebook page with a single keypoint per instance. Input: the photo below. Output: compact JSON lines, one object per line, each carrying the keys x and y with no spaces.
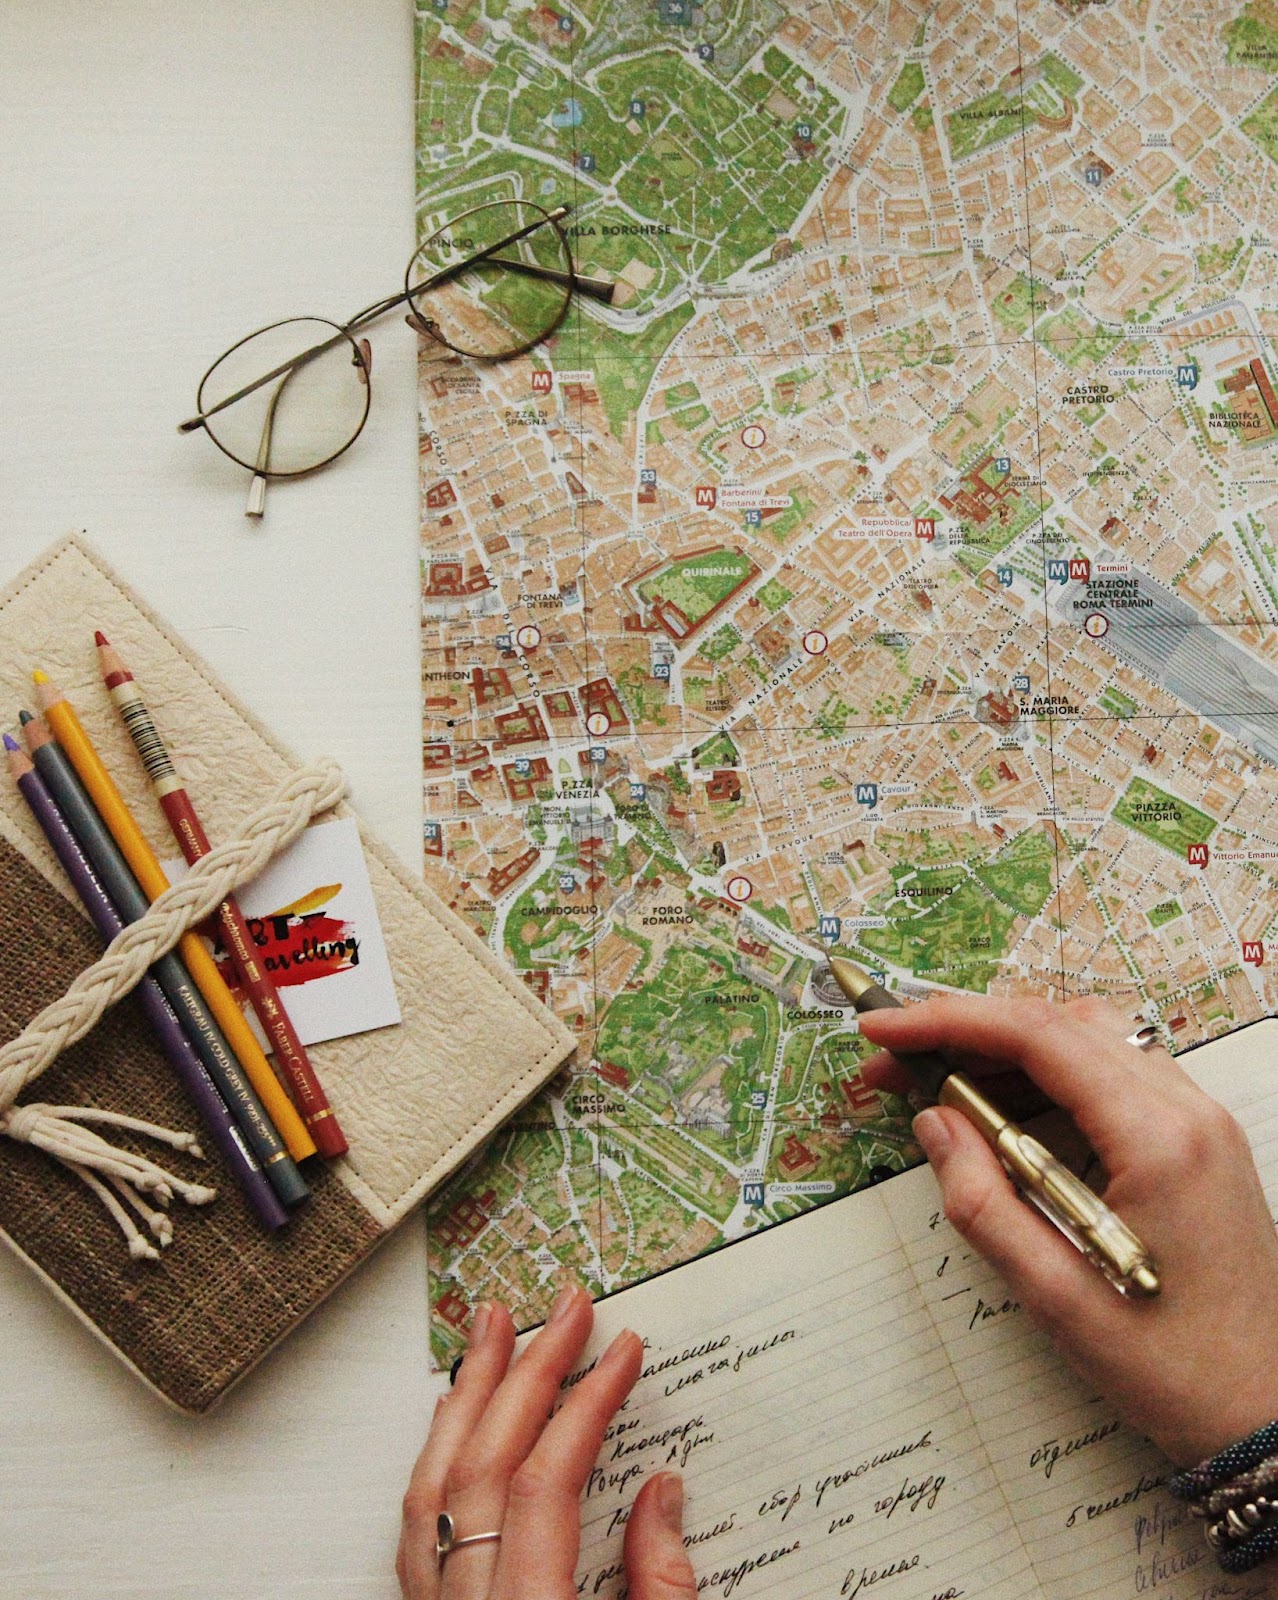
{"x":828,"y":1450}
{"x":1088,"y":1496}
{"x":859,"y":1408}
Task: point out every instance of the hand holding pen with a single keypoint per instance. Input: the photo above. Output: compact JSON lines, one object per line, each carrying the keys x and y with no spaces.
{"x":1046,"y":1182}
{"x":1195,"y":1367}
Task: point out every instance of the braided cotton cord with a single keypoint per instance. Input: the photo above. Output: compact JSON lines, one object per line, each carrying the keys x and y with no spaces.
{"x":60,"y":1130}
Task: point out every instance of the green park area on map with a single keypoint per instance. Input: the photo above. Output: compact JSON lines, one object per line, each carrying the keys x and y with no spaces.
{"x":1163,"y":817}
{"x":891,"y":568}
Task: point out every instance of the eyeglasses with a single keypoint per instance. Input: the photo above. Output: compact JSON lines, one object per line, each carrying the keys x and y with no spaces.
{"x":488,"y":284}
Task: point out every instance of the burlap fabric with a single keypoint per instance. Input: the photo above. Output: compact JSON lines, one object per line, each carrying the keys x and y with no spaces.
{"x":225,"y":1291}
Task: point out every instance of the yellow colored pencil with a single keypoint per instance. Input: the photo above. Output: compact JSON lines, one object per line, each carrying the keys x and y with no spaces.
{"x":69,"y":732}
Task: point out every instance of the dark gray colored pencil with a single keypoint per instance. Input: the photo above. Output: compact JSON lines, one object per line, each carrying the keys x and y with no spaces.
{"x":191,"y":1072}
{"x":95,"y":840}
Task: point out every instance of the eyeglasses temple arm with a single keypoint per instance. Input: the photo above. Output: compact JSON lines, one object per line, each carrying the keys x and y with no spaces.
{"x":288,"y":368}
{"x":597,"y":288}
{"x":446,"y":274}
{"x":257,"y":489}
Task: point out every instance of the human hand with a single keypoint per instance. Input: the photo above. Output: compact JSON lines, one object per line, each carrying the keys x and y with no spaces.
{"x":1194,"y":1368}
{"x":494,"y":1462}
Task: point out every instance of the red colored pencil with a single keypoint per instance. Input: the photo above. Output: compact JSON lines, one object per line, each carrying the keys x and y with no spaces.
{"x":175,"y":802}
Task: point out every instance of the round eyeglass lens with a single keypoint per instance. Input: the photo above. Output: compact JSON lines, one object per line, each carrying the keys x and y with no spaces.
{"x":310,"y":407}
{"x":494,"y":281}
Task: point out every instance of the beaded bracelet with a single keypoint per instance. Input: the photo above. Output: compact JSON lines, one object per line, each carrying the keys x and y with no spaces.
{"x":1262,"y":1477}
{"x":1235,"y":1458}
{"x":1243,"y":1557}
{"x":1242,"y":1482}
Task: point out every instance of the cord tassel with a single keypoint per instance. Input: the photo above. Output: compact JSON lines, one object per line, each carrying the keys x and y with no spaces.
{"x":139,"y":1248}
{"x":161,"y":1226}
{"x":68,"y":1141}
{"x":187,"y":1142}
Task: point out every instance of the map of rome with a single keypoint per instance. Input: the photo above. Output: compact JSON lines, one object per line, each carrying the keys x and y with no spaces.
{"x":890,"y":568}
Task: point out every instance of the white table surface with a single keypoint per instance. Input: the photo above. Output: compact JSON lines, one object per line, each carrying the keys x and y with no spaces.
{"x":173,"y":175}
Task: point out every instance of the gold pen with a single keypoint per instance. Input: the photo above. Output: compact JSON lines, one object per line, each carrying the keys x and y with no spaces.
{"x":1065,"y":1200}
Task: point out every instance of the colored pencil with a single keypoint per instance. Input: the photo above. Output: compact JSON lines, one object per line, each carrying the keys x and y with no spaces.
{"x":165,"y":1022}
{"x":70,"y":734}
{"x":179,"y":810}
{"x":132,"y":902}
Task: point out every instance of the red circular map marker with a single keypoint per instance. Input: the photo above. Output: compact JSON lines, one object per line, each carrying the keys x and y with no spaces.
{"x":753,"y":437}
{"x":598,"y":722}
{"x":528,"y":638}
{"x":740,"y":889}
{"x":815,"y":642}
{"x":1096,"y":625}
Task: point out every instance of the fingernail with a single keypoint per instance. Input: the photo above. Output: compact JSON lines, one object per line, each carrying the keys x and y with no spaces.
{"x":617,"y":1350}
{"x":670,"y":1500}
{"x":933,"y":1135}
{"x":564,"y":1303}
{"x":479,"y":1326}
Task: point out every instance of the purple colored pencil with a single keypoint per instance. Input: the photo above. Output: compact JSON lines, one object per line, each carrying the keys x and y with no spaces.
{"x":160,"y":1014}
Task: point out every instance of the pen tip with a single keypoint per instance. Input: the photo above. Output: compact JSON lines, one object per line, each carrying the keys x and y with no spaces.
{"x":10,"y":743}
{"x":849,"y":977}
{"x":100,"y":638}
{"x":39,"y":677}
{"x":25,"y":716}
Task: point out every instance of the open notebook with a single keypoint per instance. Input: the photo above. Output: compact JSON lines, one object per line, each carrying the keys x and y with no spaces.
{"x":860,"y":1409}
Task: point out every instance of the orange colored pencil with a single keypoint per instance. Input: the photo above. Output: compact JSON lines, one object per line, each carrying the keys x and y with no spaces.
{"x":179,"y":811}
{"x":68,"y":730}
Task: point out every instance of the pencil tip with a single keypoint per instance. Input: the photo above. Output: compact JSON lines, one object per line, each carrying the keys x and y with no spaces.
{"x":24,"y":716}
{"x":39,"y":677}
{"x":10,"y":743}
{"x":100,"y":638}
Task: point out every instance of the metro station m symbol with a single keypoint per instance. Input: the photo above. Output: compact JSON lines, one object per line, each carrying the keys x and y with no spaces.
{"x":867,"y":794}
{"x":1196,"y":855}
{"x":541,"y":382}
{"x":1080,"y":568}
{"x":706,"y":495}
{"x":1253,"y":952}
